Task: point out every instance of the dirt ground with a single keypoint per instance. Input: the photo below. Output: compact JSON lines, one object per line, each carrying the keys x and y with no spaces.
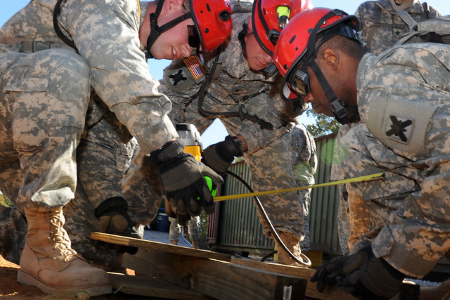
{"x":11,"y":289}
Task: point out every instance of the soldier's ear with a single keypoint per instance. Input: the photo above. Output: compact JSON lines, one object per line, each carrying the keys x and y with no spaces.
{"x":331,"y":57}
{"x":171,"y":5}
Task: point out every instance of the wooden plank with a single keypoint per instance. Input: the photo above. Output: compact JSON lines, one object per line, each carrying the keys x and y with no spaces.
{"x":156,"y":246}
{"x":408,"y":291}
{"x":307,"y":273}
{"x":215,"y":278}
{"x":151,"y":287}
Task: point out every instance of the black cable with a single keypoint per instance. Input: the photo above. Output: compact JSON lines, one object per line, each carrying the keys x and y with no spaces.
{"x":307,"y":261}
{"x":58,"y":30}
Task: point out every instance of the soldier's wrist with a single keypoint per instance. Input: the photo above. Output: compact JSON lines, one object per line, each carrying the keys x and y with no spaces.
{"x":167,"y":152}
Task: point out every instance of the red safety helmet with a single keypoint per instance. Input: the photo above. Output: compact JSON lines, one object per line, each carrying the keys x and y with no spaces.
{"x":299,"y":41}
{"x":296,"y":50}
{"x":269,"y":17}
{"x":212,"y":19}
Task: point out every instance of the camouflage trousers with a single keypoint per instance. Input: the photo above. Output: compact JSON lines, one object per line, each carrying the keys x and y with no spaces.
{"x":193,"y":229}
{"x":406,"y":216}
{"x":42,"y":116}
{"x":49,"y":159}
{"x":104,"y":151}
{"x":285,"y":211}
{"x":140,"y":183}
{"x":13,"y":229}
{"x":305,"y":198}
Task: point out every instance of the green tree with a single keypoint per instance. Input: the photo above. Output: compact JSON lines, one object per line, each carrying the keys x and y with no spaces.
{"x":324,"y":125}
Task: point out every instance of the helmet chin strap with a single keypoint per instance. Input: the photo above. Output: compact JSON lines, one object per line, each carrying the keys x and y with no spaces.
{"x":241,"y":38}
{"x":271,"y":69}
{"x":156,"y":31}
{"x":344,"y":114}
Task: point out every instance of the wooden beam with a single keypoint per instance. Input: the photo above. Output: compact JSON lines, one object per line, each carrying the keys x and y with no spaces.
{"x":151,"y":287}
{"x":408,"y":290}
{"x":222,"y":277}
{"x":215,"y":278}
{"x":311,"y":291}
{"x":151,"y":245}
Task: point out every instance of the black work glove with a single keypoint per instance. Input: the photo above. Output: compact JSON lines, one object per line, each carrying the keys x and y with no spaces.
{"x":220,"y":156}
{"x":182,"y":179}
{"x":113,"y":218}
{"x":360,"y":274}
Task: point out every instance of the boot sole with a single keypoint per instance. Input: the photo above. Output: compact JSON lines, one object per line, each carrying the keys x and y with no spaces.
{"x":28,"y":279}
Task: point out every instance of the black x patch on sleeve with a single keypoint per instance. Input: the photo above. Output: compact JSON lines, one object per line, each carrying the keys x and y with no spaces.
{"x":399,"y":129}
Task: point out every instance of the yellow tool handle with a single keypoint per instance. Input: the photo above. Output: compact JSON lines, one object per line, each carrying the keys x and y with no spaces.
{"x":376,"y":176}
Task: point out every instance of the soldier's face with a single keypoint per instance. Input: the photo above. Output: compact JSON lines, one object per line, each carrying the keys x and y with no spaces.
{"x":317,"y":97}
{"x":338,"y":83}
{"x":257,"y":58}
{"x":174,"y":43}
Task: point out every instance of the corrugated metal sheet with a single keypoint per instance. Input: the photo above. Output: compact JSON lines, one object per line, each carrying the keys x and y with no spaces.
{"x":324,"y":202}
{"x":239,"y":228}
{"x":238,"y":225}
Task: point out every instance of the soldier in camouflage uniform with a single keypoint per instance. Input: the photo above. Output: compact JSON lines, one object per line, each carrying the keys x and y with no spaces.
{"x":46,"y":94}
{"x":237,"y":92}
{"x":304,"y":161}
{"x":403,"y":100}
{"x":192,"y":228}
{"x":382,"y":24}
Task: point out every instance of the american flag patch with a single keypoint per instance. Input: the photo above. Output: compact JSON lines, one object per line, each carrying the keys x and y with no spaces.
{"x":194,"y":66}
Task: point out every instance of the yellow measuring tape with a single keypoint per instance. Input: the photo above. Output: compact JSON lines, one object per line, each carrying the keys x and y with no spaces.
{"x":376,"y":176}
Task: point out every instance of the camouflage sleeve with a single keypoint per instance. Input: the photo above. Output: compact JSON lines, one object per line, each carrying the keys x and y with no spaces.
{"x":408,"y":88}
{"x":183,"y":78}
{"x":106,"y":34}
{"x":359,"y":15}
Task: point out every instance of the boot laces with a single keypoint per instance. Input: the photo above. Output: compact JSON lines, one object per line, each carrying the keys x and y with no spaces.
{"x":60,"y":237}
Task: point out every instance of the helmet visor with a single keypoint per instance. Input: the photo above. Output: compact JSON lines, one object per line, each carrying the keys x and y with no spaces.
{"x":299,"y":83}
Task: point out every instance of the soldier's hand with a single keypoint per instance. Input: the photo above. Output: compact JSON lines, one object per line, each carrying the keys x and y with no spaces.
{"x":113,"y":218}
{"x":182,"y":178}
{"x":360,"y":274}
{"x":220,"y":156}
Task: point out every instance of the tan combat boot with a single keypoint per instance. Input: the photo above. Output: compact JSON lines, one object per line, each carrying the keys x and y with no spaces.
{"x":292,"y":242}
{"x":49,"y":263}
{"x":174,"y":242}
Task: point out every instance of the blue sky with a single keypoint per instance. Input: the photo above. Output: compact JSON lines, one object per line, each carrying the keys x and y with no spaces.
{"x":216,"y":132}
